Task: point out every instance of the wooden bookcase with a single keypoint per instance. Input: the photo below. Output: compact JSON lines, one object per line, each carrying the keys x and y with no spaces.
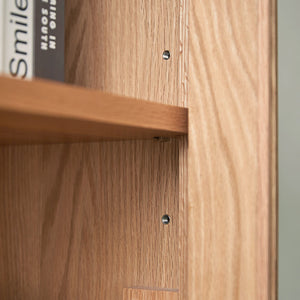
{"x":88,"y":168}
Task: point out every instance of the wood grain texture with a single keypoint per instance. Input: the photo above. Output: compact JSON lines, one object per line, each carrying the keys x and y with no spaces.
{"x":117,"y":46}
{"x":42,"y":111}
{"x":142,"y":294}
{"x":267,"y":229}
{"x":232,"y":150}
{"x":83,"y":221}
{"x":183,"y":216}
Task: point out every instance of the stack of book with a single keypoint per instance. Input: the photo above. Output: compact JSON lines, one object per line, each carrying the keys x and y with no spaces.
{"x":32,"y":39}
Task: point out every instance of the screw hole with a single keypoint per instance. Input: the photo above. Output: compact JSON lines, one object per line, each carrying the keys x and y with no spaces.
{"x":166,"y":55}
{"x":165,"y":219}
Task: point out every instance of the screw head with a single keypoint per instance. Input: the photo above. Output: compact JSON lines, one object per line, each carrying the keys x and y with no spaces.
{"x":165,"y":219}
{"x":166,"y":55}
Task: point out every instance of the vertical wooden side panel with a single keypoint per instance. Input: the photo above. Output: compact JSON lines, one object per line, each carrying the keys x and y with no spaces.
{"x":267,"y":207}
{"x":117,"y":46}
{"x":131,"y":40}
{"x":183,"y":155}
{"x":83,"y":221}
{"x":232,"y":153}
{"x":140,"y":294}
{"x":183,"y":217}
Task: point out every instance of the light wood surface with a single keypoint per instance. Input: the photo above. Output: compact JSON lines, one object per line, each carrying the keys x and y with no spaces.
{"x":117,"y":46}
{"x":267,"y":227}
{"x":42,"y":111}
{"x":83,"y":221}
{"x":232,"y":150}
{"x":142,"y":294}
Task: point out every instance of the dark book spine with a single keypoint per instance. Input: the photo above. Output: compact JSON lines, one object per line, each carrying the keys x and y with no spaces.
{"x":49,"y":39}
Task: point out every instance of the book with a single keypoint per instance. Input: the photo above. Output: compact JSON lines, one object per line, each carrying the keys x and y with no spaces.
{"x":1,"y":34}
{"x":18,"y":39}
{"x":49,"y":39}
{"x":33,"y":39}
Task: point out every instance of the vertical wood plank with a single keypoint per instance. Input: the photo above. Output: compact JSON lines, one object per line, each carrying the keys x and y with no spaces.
{"x":267,"y":227}
{"x":83,"y":221}
{"x":232,"y":150}
{"x":142,"y":294}
{"x":117,"y":46}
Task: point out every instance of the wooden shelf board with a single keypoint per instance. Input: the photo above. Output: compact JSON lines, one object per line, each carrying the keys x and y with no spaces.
{"x":48,"y":112}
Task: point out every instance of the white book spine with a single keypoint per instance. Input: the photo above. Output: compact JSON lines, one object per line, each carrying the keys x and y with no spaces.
{"x":18,"y":38}
{"x":1,"y":34}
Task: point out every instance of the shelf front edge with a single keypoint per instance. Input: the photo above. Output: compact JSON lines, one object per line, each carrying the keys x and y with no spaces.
{"x":39,"y":111}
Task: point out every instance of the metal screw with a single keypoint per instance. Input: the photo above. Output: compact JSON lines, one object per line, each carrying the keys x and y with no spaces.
{"x":166,"y":55}
{"x":165,"y":219}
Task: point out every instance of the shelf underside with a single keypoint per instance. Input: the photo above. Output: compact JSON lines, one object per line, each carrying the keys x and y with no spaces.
{"x":48,"y":112}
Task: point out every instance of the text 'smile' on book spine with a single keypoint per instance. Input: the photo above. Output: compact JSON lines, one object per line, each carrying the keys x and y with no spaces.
{"x":17,"y":47}
{"x":49,"y":39}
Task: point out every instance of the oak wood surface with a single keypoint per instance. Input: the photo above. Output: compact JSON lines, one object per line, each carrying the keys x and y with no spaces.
{"x":42,"y":111}
{"x":117,"y":46}
{"x":143,"y":294}
{"x":232,"y":150}
{"x":83,"y":221}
